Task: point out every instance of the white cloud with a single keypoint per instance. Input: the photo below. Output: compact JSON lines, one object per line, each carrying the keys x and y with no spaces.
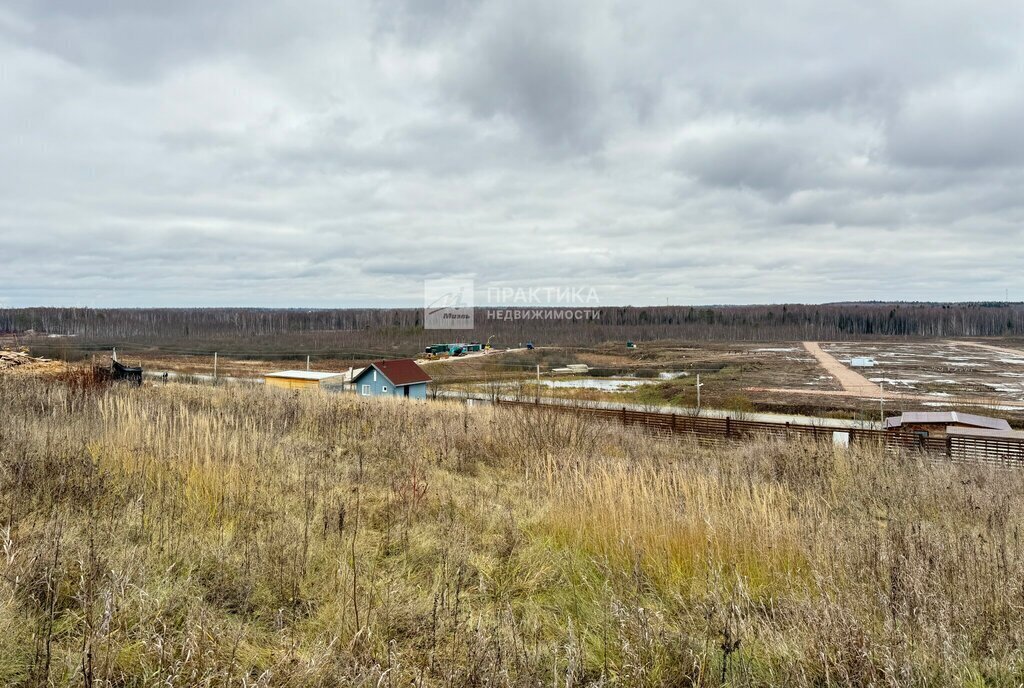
{"x":336,"y":153}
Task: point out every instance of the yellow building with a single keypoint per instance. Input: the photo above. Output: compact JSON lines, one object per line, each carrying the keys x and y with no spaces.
{"x":302,"y":379}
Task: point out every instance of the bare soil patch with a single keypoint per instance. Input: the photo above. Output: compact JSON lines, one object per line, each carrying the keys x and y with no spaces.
{"x":851,"y":380}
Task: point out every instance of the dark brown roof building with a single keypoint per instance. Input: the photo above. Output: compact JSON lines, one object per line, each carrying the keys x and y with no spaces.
{"x":938,"y":423}
{"x":402,"y":371}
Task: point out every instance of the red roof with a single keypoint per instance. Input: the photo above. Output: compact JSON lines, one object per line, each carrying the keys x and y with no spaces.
{"x":402,"y":371}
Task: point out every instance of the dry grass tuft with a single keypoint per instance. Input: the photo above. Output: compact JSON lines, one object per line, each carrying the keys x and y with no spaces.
{"x":196,"y":536}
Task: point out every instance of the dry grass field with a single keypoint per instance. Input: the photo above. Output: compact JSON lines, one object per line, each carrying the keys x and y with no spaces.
{"x":196,"y":536}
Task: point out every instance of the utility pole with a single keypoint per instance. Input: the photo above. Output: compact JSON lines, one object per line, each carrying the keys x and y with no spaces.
{"x":538,"y":383}
{"x":699,"y":385}
{"x":881,"y":404}
{"x":215,"y":366}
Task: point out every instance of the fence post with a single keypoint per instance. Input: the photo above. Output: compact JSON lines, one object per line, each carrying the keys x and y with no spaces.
{"x":949,"y":446}
{"x":624,"y":416}
{"x":673,"y":423}
{"x":728,"y":431}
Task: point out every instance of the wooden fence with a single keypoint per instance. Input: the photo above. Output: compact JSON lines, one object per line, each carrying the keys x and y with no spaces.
{"x":996,"y":451}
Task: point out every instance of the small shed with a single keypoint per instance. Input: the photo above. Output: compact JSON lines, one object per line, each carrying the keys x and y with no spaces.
{"x":399,"y":378}
{"x":941,"y":423}
{"x":301,"y":379}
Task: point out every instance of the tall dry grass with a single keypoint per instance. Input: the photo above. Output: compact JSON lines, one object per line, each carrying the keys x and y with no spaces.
{"x":194,"y":536}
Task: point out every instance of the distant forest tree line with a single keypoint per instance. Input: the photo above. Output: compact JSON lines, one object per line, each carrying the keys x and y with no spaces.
{"x":378,"y":330}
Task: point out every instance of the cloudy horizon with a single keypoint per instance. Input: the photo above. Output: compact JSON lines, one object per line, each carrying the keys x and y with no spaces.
{"x":337,"y":154}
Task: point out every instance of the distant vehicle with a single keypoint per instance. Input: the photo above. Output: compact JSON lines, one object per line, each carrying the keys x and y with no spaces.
{"x":630,"y":345}
{"x":529,"y":345}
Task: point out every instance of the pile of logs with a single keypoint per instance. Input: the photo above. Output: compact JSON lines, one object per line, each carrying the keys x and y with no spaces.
{"x":12,"y":359}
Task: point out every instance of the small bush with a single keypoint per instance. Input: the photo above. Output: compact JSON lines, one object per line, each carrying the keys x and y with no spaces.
{"x":739,"y":403}
{"x":86,"y":378}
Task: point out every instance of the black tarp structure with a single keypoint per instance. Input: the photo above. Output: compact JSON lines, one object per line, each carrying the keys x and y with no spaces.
{"x":123,"y":373}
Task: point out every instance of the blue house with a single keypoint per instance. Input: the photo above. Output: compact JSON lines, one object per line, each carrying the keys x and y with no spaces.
{"x":397,"y":378}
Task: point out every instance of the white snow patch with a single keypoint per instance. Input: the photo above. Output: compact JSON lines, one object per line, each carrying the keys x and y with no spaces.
{"x":605,"y":384}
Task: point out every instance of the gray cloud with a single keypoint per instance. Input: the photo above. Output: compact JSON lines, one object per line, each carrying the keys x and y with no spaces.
{"x":336,"y":153}
{"x":523,"y":62}
{"x":968,"y":123}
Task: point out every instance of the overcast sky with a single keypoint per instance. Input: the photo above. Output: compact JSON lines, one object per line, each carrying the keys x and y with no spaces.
{"x":328,"y":153}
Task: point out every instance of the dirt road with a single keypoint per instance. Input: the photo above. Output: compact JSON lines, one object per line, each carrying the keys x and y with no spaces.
{"x":850,"y":380}
{"x":1017,"y":353}
{"x":467,"y":356}
{"x":779,"y":418}
{"x":890,"y":395}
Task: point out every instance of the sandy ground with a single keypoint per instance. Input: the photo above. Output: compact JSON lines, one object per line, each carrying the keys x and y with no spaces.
{"x":14,"y":362}
{"x":851,"y":381}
